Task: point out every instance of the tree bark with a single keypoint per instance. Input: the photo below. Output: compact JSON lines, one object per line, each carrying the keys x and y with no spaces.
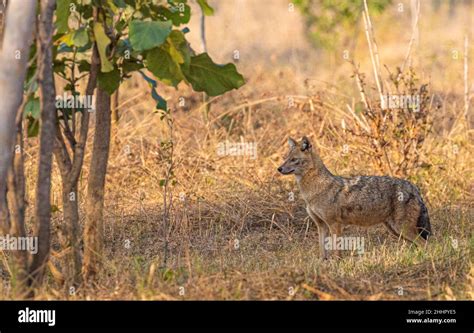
{"x":46,"y":142}
{"x":3,"y":7}
{"x":16,"y":206}
{"x":115,"y":104}
{"x":13,"y":62}
{"x":93,"y":231}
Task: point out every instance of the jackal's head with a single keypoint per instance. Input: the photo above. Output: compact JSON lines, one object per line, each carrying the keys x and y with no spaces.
{"x":299,"y":158}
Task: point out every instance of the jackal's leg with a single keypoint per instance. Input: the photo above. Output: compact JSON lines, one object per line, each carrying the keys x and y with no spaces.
{"x":323,"y":231}
{"x":336,"y":229}
{"x":404,"y":222}
{"x":411,"y":233}
{"x":407,"y":232}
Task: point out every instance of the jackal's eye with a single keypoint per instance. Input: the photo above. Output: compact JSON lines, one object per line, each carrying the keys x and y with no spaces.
{"x":293,"y":160}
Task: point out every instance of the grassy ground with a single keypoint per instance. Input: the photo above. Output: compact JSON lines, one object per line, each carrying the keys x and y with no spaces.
{"x":233,"y":232}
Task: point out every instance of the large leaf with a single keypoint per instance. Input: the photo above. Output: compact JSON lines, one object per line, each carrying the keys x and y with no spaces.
{"x":102,"y":42}
{"x":145,"y":35}
{"x":206,"y":9}
{"x":214,"y":79}
{"x":109,"y":81}
{"x":165,"y":61}
{"x":164,"y":67}
{"x":179,"y":48}
{"x":62,"y":15}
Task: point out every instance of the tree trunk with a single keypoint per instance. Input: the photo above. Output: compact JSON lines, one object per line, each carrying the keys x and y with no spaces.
{"x":70,"y":168}
{"x":16,"y":206}
{"x":3,"y":8}
{"x":93,"y":231}
{"x":13,"y":61}
{"x":115,"y":104}
{"x":46,"y":142}
{"x":72,"y":232}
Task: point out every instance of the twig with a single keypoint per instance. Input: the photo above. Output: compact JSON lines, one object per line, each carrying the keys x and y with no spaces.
{"x":374,"y":55}
{"x":412,"y":39}
{"x":205,"y":97}
{"x":466,"y":75}
{"x":360,"y":85}
{"x":361,"y":123}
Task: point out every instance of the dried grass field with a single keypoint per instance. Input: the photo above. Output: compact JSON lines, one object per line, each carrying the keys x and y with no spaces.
{"x":232,"y":227}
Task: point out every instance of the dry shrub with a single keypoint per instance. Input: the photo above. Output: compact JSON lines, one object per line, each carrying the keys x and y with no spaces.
{"x":392,"y":137}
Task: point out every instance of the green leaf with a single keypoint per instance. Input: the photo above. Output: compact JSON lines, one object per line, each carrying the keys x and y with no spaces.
{"x":131,"y":65}
{"x":33,"y":127}
{"x":80,"y":37}
{"x":102,"y":42}
{"x":120,"y":3}
{"x":161,"y":102}
{"x":31,"y":78}
{"x":112,"y":6}
{"x":84,"y":66}
{"x":164,"y":62}
{"x":86,"y":10}
{"x":67,"y":39}
{"x":123,"y":45}
{"x":179,"y":48}
{"x":32,"y":108}
{"x":206,"y":9}
{"x":32,"y":115}
{"x":162,"y":65}
{"x":62,"y":15}
{"x":145,"y":35}
{"x":63,"y":48}
{"x":59,"y":66}
{"x":178,"y":12}
{"x":205,"y":75}
{"x":109,"y":81}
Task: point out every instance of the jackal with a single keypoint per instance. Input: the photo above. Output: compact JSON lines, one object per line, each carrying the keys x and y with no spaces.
{"x":334,"y":201}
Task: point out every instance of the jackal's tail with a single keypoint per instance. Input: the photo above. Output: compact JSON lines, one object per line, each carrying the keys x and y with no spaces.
{"x":423,"y":224}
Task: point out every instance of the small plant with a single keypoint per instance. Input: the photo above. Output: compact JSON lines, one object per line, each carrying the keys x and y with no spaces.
{"x":328,"y":22}
{"x":392,"y":127}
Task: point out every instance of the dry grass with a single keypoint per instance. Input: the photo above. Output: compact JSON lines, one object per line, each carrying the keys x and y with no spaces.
{"x":234,"y":233}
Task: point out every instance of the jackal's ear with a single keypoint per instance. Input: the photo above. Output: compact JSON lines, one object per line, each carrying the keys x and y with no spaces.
{"x":291,"y":143}
{"x":305,"y":144}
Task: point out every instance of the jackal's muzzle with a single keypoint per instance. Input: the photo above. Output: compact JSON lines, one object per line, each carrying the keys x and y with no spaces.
{"x":285,"y":170}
